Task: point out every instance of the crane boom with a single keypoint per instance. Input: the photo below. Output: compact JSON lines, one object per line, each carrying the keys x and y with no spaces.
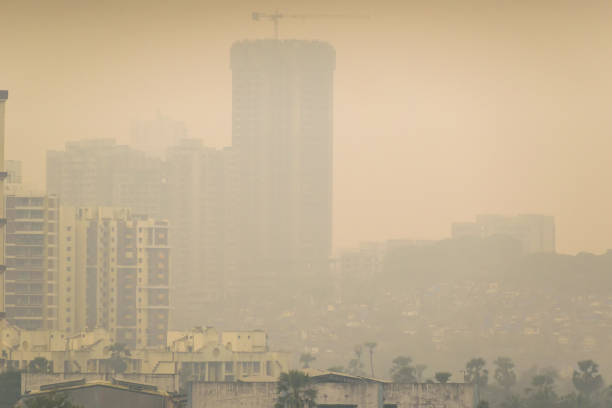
{"x":276,"y":16}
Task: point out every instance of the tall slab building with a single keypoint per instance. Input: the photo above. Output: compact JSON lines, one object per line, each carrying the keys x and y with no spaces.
{"x":282,"y":127}
{"x":114,"y":273}
{"x":3,"y":174}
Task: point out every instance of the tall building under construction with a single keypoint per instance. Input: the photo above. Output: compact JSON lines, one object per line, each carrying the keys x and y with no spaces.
{"x":282,"y":126}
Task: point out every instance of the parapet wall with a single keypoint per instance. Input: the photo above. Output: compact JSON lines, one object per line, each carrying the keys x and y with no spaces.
{"x":356,"y":394}
{"x":163,"y":382}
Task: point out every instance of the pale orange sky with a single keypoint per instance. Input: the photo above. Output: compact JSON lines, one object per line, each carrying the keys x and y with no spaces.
{"x":443,"y":109}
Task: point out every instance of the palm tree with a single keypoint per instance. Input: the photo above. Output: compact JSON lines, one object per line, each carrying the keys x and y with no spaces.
{"x":295,"y":390}
{"x":355,"y":366}
{"x":119,"y":357}
{"x":306,"y":359}
{"x":371,"y":346}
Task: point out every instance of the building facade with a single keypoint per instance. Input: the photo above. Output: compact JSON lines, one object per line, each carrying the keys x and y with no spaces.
{"x":335,"y":390}
{"x":282,"y":114}
{"x":196,"y":204}
{"x":200,"y":354}
{"x":3,"y":99}
{"x":101,"y":173}
{"x":535,"y":232}
{"x":31,"y":277}
{"x":114,"y":273}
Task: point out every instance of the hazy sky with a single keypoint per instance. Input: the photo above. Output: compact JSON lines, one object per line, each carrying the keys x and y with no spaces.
{"x":443,"y":109}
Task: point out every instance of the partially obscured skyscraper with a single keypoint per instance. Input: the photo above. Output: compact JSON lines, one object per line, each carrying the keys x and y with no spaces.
{"x":282,"y":121}
{"x":196,"y":203}
{"x":99,"y":172}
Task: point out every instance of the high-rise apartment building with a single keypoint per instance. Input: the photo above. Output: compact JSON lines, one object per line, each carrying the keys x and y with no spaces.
{"x":282,"y":115}
{"x":101,"y":173}
{"x":31,"y":260}
{"x":196,"y":205}
{"x":536,"y":233}
{"x":3,"y":98}
{"x":114,"y":273}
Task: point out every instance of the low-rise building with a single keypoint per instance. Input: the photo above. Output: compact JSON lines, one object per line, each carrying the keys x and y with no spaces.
{"x":103,"y":394}
{"x":334,"y":390}
{"x":196,"y":355}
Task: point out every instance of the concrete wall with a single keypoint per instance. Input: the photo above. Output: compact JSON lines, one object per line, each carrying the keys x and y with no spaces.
{"x":361,"y":395}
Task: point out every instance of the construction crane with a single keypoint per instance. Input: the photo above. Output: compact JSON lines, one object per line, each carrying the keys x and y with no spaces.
{"x":276,"y":16}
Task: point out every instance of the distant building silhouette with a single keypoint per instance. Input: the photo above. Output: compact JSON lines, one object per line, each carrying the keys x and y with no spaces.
{"x":99,"y":172}
{"x":536,"y":233}
{"x":282,"y":121}
{"x":197,"y":204}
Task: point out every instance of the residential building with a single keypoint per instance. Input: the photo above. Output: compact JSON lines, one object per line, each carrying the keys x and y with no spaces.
{"x":31,"y":277}
{"x":114,"y":273}
{"x":3,"y":174}
{"x":195,"y":355}
{"x":535,"y":232}
{"x":101,"y":173}
{"x":196,"y":205}
{"x":282,"y":114}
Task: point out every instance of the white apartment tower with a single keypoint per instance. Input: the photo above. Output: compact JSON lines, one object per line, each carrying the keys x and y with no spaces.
{"x":3,"y":174}
{"x":114,"y":274}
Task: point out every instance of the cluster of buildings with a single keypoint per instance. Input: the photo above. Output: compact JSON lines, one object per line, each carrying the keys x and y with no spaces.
{"x":240,"y":216}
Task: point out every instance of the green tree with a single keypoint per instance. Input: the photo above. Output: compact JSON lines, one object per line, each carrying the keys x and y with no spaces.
{"x":39,"y":365}
{"x":543,"y":394}
{"x":371,"y":346}
{"x":402,"y":370}
{"x":504,"y":373}
{"x":59,"y":400}
{"x":476,"y":373}
{"x":306,"y":359}
{"x":295,"y":390}
{"x":587,"y":379}
{"x":443,"y":377}
{"x":119,"y":357}
{"x":10,"y":388}
{"x":337,"y":369}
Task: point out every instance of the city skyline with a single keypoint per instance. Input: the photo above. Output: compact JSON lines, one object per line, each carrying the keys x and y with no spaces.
{"x":440,"y":112}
